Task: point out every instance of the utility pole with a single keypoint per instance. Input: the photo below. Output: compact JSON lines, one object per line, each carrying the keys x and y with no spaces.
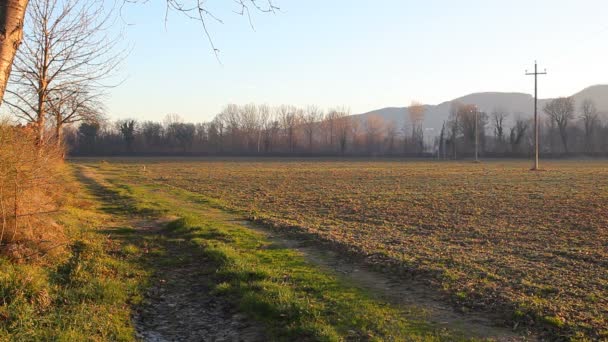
{"x":536,"y":73}
{"x":476,"y":136}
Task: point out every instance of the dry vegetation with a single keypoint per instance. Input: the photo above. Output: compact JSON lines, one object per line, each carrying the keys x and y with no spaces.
{"x":532,"y":245}
{"x":30,"y":189}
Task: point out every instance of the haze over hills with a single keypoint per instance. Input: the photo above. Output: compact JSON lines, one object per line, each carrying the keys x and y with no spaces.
{"x":516,"y":104}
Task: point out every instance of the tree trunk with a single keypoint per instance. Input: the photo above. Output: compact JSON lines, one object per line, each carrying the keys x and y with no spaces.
{"x":564,"y":136}
{"x":59,"y":132}
{"x":12,"y":13}
{"x":41,"y":119}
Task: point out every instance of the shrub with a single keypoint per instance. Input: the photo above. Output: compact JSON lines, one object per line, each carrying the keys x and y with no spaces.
{"x":31,"y":174}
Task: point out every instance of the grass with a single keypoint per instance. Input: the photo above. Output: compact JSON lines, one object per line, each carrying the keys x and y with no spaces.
{"x":493,"y":236}
{"x":276,"y":286}
{"x":81,"y":293}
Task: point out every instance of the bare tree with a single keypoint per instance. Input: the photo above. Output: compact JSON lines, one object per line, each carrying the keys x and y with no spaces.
{"x":12,"y":14}
{"x":198,"y":10}
{"x":517,"y":133}
{"x":250,"y":125}
{"x":264,"y":118}
{"x":441,"y":147}
{"x":344,"y":126}
{"x":127,"y":129}
{"x":290,"y":118}
{"x":329,"y":125}
{"x":454,"y":124}
{"x":310,"y":120}
{"x":64,"y":60}
{"x":230,"y":116}
{"x":498,"y":122}
{"x":374,"y":125}
{"x":271,"y":128}
{"x":71,"y":108}
{"x":152,"y":133}
{"x":219,"y":128}
{"x":561,"y":111}
{"x":467,"y":115}
{"x":416,"y":114}
{"x":590,"y":117}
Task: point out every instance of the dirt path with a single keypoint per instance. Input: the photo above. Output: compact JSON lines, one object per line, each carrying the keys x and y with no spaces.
{"x":178,"y":305}
{"x":397,"y":290}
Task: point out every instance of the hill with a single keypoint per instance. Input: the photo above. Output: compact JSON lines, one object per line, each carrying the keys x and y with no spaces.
{"x":514,"y":103}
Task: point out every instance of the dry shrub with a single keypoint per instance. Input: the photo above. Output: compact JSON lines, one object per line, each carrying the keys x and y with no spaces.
{"x":30,"y":190}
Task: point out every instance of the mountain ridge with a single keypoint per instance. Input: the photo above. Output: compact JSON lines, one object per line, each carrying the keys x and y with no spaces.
{"x":515,"y":103}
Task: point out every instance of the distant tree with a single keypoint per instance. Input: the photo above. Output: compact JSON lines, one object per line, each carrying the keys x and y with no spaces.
{"x":87,"y":135}
{"x":152,"y":132}
{"x":454,"y":124}
{"x":72,"y":108}
{"x":264,"y":119}
{"x":272,"y":129}
{"x":441,"y":148}
{"x":517,"y":133}
{"x":183,"y":134}
{"x":311,"y":119}
{"x":498,"y":122}
{"x":344,"y":125}
{"x":217,"y":131}
{"x":329,"y":125}
{"x":201,"y":134}
{"x":127,"y":130}
{"x":374,"y":126}
{"x":467,"y":115}
{"x":250,"y":126}
{"x":561,"y":112}
{"x":590,"y":118}
{"x":391,"y":135}
{"x":290,"y":118}
{"x":231,"y":119}
{"x":416,"y":112}
{"x":473,"y":125}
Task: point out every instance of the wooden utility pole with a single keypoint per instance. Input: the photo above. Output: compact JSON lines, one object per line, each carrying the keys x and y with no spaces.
{"x":476,"y":136}
{"x":536,"y":148}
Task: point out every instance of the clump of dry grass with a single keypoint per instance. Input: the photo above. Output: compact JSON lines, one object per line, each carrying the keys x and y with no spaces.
{"x":31,"y":174}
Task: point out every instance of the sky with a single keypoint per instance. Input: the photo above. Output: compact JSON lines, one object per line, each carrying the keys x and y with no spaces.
{"x":362,"y":54}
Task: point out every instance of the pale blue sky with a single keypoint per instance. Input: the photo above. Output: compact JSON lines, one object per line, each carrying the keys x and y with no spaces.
{"x":364,"y":54}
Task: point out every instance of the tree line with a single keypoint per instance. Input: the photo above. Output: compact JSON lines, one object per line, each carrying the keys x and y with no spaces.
{"x":565,"y":128}
{"x":255,"y":130}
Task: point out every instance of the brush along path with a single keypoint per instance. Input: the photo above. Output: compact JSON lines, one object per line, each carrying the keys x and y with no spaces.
{"x":411,"y":299}
{"x":178,"y":305}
